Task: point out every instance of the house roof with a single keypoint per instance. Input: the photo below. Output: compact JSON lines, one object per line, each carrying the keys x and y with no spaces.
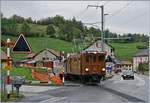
{"x":143,"y":52}
{"x":57,"y":54}
{"x":99,"y":41}
{"x":30,"y":55}
{"x":3,"y":55}
{"x":126,"y":62}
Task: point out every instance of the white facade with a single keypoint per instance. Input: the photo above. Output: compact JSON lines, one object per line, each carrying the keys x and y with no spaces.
{"x":138,"y":60}
{"x":45,"y":55}
{"x":97,"y":47}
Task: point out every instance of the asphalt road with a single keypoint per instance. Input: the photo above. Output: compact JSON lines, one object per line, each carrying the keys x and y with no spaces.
{"x":114,"y":90}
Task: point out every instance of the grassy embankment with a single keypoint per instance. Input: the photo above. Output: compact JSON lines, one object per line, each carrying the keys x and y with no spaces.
{"x":123,"y":51}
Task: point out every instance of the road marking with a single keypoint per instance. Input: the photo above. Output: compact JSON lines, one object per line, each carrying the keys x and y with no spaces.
{"x":54,"y":99}
{"x":62,"y":98}
{"x":47,"y":100}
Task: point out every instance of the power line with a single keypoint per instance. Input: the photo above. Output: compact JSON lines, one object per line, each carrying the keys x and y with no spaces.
{"x":134,"y":19}
{"x":81,"y":13}
{"x":92,"y":23}
{"x":106,"y":3}
{"x":120,"y":10}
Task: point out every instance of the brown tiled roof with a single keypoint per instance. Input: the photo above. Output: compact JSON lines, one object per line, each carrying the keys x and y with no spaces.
{"x":126,"y":62}
{"x":50,"y":50}
{"x":3,"y":55}
{"x":30,"y":55}
{"x":143,"y":52}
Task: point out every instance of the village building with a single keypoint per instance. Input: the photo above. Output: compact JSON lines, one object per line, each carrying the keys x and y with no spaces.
{"x":3,"y":59}
{"x":96,"y":46}
{"x":30,"y":56}
{"x":120,"y":65}
{"x":45,"y":58}
{"x":140,"y":57}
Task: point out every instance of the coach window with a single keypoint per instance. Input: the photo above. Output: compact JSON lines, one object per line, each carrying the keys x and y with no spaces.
{"x":101,"y":57}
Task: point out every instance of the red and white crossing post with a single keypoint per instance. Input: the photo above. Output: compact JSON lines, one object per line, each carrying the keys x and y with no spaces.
{"x":8,"y":81}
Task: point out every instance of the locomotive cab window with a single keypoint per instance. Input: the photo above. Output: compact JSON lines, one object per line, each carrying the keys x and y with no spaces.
{"x":94,"y":58}
{"x":101,"y":58}
{"x":87,"y":58}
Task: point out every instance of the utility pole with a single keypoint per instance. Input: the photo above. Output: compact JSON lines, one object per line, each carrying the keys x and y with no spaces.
{"x":102,"y":24}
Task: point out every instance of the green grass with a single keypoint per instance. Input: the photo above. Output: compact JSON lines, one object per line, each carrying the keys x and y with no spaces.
{"x":125,"y":51}
{"x":23,"y":72}
{"x":35,"y":28}
{"x":13,"y":97}
{"x":39,"y":43}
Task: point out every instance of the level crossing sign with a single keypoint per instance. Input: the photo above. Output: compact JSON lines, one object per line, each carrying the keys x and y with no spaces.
{"x":21,"y":46}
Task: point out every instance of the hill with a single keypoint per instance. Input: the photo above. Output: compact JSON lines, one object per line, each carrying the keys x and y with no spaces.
{"x":39,"y":43}
{"x":123,"y":51}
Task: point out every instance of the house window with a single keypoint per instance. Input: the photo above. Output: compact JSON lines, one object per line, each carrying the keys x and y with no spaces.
{"x":43,"y":58}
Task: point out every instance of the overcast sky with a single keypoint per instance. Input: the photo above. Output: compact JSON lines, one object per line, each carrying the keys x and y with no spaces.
{"x":124,"y":16}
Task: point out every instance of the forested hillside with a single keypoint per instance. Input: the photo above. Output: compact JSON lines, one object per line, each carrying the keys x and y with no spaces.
{"x":60,"y":28}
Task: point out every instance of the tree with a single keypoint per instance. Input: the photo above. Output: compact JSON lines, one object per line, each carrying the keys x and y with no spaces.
{"x":11,"y":26}
{"x":25,"y":29}
{"x":50,"y":31}
{"x":1,"y":15}
{"x":57,"y":20}
{"x":29,"y":20}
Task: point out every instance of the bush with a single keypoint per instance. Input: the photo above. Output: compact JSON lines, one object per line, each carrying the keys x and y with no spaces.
{"x":141,"y":47}
{"x":143,"y":67}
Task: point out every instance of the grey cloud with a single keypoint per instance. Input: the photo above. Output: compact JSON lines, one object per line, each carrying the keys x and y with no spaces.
{"x":43,"y":9}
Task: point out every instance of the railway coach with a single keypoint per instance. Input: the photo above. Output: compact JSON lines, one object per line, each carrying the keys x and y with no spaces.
{"x":89,"y":67}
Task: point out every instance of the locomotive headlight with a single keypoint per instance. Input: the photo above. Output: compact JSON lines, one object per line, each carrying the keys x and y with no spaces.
{"x":86,"y":69}
{"x":95,"y":52}
{"x":103,"y":69}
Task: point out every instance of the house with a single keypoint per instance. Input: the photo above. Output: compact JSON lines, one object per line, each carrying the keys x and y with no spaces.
{"x":47,"y":54}
{"x":140,"y":57}
{"x":120,"y":65}
{"x":45,"y":58}
{"x":96,"y":46}
{"x":30,"y":56}
{"x":3,"y":59}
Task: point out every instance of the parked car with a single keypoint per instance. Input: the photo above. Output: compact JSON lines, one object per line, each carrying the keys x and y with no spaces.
{"x":128,"y":73}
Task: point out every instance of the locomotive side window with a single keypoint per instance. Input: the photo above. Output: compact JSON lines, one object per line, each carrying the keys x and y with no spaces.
{"x":101,"y":58}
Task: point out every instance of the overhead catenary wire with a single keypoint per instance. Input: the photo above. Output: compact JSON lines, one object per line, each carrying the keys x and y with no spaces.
{"x":106,"y":3}
{"x":134,"y":19}
{"x":120,"y":10}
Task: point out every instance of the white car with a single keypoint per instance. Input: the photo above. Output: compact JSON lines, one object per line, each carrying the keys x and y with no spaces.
{"x":127,"y":73}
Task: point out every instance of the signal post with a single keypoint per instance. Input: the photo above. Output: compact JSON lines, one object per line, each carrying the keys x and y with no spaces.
{"x":8,"y":80}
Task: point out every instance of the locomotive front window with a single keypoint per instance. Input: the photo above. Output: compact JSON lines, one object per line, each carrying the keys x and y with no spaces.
{"x":101,"y":58}
{"x":87,"y":59}
{"x":94,"y":58}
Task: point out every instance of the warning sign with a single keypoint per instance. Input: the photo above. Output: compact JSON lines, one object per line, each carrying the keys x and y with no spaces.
{"x":21,"y":45}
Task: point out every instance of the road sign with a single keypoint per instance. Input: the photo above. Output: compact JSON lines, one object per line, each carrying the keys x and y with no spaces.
{"x":21,"y":45}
